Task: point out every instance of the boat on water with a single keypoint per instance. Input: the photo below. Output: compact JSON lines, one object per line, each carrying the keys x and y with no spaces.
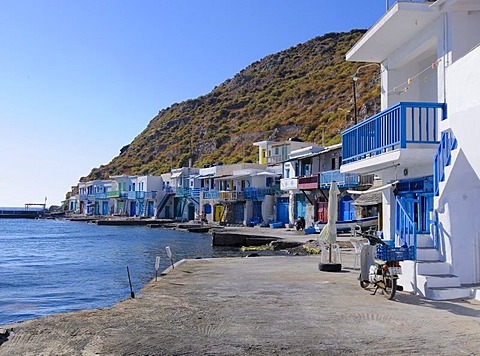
{"x":20,"y":213}
{"x":199,"y":229}
{"x":346,"y":225}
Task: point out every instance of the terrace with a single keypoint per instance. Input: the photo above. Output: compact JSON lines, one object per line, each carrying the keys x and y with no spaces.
{"x":406,"y":132}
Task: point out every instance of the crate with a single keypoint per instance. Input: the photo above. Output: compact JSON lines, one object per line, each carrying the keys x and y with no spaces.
{"x":387,"y":253}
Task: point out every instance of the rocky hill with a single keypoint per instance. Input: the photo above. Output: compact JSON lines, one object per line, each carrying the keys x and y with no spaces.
{"x":304,"y":92}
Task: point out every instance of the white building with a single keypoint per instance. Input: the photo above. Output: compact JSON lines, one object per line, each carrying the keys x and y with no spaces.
{"x":424,"y":140}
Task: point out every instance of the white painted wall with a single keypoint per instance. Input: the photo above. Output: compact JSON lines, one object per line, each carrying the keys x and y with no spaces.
{"x":150,"y":183}
{"x":459,"y":214}
{"x":463,"y":95}
{"x":421,"y":87}
{"x":464,"y":32}
{"x":459,"y":218}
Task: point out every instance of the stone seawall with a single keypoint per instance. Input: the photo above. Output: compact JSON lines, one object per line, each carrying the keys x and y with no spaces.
{"x":226,"y":238}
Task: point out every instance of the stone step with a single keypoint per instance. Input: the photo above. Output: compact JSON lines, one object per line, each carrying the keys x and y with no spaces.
{"x":433,"y":268}
{"x":438,"y":280}
{"x":437,"y":293}
{"x":427,"y":254}
{"x":476,"y":293}
{"x":424,"y":240}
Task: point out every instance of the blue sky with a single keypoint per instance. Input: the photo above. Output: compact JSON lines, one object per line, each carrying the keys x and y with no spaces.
{"x":80,"y":79}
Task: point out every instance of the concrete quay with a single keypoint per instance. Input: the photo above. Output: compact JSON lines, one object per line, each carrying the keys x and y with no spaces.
{"x":255,"y":236}
{"x":281,"y":305}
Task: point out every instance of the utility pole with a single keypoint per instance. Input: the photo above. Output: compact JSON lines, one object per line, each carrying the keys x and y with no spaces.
{"x":354,"y":82}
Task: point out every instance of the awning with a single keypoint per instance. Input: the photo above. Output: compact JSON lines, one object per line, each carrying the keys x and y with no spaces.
{"x":205,"y":176}
{"x":268,"y":174}
{"x":370,"y":199}
{"x":176,"y":175}
{"x":373,"y":190}
{"x":234,"y":177}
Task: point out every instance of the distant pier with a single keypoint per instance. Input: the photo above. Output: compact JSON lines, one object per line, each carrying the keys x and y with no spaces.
{"x":20,"y":213}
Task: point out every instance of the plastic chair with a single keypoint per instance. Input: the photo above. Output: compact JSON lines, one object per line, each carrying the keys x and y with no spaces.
{"x":357,"y":247}
{"x":354,"y":230}
{"x":325,"y":251}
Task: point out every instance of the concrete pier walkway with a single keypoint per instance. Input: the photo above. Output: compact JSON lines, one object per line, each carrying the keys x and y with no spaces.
{"x":256,"y":306}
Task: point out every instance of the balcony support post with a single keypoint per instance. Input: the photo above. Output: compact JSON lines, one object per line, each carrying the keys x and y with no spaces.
{"x":403,"y":126}
{"x":306,"y":196}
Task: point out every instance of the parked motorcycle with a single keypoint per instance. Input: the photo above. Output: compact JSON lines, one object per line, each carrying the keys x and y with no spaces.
{"x":381,"y":273}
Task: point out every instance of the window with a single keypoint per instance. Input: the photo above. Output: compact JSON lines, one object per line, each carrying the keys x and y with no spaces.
{"x":333,"y":163}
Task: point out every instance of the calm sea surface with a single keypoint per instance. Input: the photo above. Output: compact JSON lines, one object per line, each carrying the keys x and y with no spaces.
{"x":53,"y":266}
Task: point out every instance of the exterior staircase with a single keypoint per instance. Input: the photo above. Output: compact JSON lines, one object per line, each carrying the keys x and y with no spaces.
{"x":163,"y":202}
{"x":434,"y":278}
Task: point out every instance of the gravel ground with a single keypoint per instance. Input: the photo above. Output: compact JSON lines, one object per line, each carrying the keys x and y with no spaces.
{"x":256,"y":306}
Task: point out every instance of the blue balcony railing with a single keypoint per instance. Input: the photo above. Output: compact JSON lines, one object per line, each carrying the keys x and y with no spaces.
{"x":188,"y":192}
{"x":196,"y":192}
{"x":344,"y":180}
{"x":182,"y":192}
{"x":117,"y":194}
{"x":256,"y":192}
{"x":405,"y":227}
{"x":211,"y":194}
{"x":391,"y":129}
{"x":442,"y":159}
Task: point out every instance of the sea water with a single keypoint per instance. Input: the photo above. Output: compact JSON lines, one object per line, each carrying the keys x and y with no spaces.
{"x":53,"y":266}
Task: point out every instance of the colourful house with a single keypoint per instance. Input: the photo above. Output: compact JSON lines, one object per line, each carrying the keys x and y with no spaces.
{"x":223,"y":191}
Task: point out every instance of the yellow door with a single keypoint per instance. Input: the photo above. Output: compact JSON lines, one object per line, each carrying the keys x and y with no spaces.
{"x":219,"y":213}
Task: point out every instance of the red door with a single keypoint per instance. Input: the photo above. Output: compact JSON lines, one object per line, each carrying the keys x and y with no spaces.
{"x":322,"y":211}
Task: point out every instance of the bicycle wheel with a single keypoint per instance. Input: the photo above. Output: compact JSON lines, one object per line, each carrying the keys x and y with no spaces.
{"x":390,"y":286}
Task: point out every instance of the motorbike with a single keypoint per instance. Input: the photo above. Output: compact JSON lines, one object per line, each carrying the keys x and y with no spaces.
{"x":381,"y":274}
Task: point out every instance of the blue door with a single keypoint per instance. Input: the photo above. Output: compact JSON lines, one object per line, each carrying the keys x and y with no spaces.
{"x":105,"y":208}
{"x":257,"y":210}
{"x":425,"y":207}
{"x":347,"y":209}
{"x":301,"y":205}
{"x":238,"y":213}
{"x":282,"y":210}
{"x":150,"y":208}
{"x":207,"y":209}
{"x":133,"y":208}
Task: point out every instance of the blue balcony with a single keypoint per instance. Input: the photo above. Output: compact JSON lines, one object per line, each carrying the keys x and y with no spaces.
{"x":140,"y":195}
{"x":211,"y":194}
{"x":253,"y":193}
{"x":404,"y":125}
{"x":344,"y":180}
{"x":188,"y":192}
{"x":182,"y":192}
{"x":195,"y":193}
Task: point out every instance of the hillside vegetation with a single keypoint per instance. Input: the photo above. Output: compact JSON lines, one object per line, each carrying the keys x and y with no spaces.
{"x":304,"y":92}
